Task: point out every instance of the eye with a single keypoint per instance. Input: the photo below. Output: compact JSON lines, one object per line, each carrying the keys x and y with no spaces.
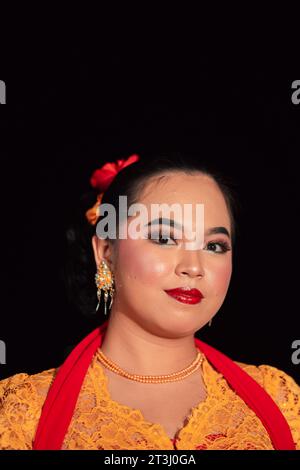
{"x":224,"y":246}
{"x":158,"y":238}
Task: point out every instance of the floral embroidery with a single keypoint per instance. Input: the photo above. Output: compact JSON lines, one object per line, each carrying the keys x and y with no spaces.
{"x":222,"y":421}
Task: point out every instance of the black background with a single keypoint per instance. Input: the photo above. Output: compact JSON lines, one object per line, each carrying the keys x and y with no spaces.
{"x":70,"y":109}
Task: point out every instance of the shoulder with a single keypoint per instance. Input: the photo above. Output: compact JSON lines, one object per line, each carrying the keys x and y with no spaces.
{"x":24,"y":386}
{"x":21,"y":399}
{"x":284,"y":390}
{"x":272,"y":379}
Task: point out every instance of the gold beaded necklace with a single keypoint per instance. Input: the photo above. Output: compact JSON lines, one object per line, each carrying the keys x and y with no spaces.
{"x":157,"y":379}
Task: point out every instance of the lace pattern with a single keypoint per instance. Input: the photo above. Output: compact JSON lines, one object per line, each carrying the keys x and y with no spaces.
{"x":222,"y":421}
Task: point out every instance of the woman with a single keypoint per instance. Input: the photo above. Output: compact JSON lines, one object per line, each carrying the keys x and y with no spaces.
{"x":142,"y":380}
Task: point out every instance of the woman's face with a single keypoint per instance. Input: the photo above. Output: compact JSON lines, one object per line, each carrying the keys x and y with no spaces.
{"x":144,"y":269}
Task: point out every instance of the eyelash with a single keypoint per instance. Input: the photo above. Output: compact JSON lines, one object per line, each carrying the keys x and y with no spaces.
{"x":224,"y":245}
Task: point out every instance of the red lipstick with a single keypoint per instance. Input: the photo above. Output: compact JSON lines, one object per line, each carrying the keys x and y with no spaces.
{"x":187,"y":296}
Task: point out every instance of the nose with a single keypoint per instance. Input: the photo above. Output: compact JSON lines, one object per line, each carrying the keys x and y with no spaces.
{"x":190,"y":265}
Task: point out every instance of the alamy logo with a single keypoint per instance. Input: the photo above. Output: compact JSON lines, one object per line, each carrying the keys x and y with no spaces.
{"x":2,"y":352}
{"x":2,"y":92}
{"x":296,"y":94}
{"x":138,"y":226}
{"x":296,"y":354}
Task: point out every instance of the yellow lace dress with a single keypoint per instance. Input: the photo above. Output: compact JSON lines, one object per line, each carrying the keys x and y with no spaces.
{"x":223,"y":421}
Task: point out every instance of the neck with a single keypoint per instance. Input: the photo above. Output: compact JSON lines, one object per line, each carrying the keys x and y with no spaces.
{"x":138,"y":351}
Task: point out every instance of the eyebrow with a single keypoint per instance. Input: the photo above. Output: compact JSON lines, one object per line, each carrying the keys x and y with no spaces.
{"x":172,"y":223}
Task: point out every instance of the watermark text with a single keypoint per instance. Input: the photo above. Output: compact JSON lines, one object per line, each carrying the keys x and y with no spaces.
{"x":2,"y":92}
{"x":2,"y":352}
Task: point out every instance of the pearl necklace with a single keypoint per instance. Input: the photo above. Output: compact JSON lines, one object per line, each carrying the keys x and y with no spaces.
{"x":157,"y":379}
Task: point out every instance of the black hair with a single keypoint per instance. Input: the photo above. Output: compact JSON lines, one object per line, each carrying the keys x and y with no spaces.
{"x":80,"y":266}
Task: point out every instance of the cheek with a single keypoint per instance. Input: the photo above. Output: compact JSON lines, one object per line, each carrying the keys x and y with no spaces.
{"x":141,"y":265}
{"x":218,"y":277}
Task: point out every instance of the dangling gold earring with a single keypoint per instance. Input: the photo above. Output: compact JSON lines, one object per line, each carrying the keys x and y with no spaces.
{"x":104,"y":281}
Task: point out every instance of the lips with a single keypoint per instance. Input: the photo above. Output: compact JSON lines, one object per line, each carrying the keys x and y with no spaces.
{"x":188,"y":296}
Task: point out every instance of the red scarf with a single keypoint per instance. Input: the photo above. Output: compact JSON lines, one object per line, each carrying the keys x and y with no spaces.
{"x":61,"y":400}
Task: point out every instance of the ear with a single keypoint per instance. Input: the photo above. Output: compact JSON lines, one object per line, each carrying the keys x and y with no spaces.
{"x":102,"y":250}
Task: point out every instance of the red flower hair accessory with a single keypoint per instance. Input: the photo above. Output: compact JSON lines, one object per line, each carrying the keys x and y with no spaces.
{"x":101,"y":180}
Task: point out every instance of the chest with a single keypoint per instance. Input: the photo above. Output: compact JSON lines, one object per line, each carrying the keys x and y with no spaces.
{"x":168,"y":404}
